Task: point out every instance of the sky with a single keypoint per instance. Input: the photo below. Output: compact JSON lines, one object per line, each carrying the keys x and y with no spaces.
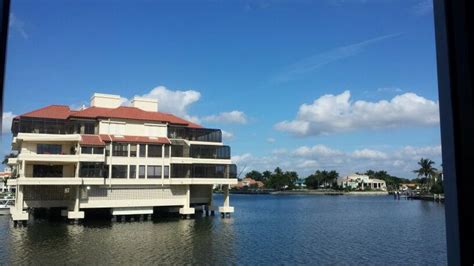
{"x":346,"y":85}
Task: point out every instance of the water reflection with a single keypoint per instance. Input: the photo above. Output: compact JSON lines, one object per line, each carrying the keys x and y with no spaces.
{"x":264,"y":230}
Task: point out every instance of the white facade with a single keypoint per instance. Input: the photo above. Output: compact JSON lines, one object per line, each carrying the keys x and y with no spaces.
{"x":125,"y":164}
{"x":356,"y":181}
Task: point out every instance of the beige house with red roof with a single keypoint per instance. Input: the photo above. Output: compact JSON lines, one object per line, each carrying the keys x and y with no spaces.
{"x":128,"y":159}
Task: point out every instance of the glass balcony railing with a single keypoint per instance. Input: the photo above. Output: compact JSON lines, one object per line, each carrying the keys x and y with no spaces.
{"x":195,"y":134}
{"x":203,"y":171}
{"x":201,"y":151}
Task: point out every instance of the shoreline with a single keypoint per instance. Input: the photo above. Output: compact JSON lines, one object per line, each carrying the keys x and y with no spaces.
{"x":334,"y":193}
{"x":311,"y":192}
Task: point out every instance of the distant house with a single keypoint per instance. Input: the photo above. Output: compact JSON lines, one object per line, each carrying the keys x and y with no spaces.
{"x":300,"y":183}
{"x":408,"y":186}
{"x":356,"y":181}
{"x":5,"y":175}
{"x":248,"y":182}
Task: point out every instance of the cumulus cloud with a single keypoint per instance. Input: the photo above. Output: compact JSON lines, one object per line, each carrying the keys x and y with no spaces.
{"x":227,"y":135}
{"x":7,"y":122}
{"x":232,"y":117}
{"x":337,"y":113}
{"x":369,"y":154}
{"x":306,"y":159}
{"x":176,"y":102}
{"x":316,"y":151}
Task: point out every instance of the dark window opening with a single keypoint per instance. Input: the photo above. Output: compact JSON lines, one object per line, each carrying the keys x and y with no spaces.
{"x":142,"y":150}
{"x":120,"y":149}
{"x":154,"y":171}
{"x":141,"y":171}
{"x":91,"y":169}
{"x":119,"y":171}
{"x":47,"y":171}
{"x":132,"y":172}
{"x":154,"y":150}
{"x":48,"y":149}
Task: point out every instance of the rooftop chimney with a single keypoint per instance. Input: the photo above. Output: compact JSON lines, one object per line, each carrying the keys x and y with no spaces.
{"x":105,"y":100}
{"x":146,"y":104}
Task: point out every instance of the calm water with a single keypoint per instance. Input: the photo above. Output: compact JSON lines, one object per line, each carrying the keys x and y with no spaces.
{"x":265,"y":230}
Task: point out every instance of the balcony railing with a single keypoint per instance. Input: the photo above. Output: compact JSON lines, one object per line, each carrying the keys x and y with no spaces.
{"x":195,"y":134}
{"x":203,"y":171}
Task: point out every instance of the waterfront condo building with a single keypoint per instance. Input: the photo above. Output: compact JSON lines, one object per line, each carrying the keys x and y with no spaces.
{"x":128,"y":159}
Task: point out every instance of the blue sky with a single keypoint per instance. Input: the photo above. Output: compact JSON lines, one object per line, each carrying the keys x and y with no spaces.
{"x":259,"y":70}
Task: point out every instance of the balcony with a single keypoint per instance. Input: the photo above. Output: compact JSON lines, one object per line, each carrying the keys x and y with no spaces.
{"x":195,"y":134}
{"x":34,"y":157}
{"x":203,"y":171}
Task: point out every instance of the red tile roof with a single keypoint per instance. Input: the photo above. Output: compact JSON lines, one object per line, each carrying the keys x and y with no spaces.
{"x":122,"y":112}
{"x":91,"y":140}
{"x":51,"y":111}
{"x":134,"y":139}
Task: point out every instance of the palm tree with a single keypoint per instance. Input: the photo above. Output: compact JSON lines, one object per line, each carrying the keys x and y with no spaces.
{"x":426,"y":170}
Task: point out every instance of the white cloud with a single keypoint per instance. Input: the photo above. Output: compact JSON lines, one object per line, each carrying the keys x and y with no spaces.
{"x":7,"y":122}
{"x":337,"y":113}
{"x":316,"y":151}
{"x":418,"y":152}
{"x":369,"y":154}
{"x":308,"y":163}
{"x":271,"y":140}
{"x":176,"y":102}
{"x":232,"y":117}
{"x":18,"y":25}
{"x":306,"y":159}
{"x":227,"y":135}
{"x":423,"y":7}
{"x":315,"y":62}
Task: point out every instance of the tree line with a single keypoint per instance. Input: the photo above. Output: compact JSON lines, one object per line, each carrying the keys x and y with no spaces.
{"x":428,"y":177}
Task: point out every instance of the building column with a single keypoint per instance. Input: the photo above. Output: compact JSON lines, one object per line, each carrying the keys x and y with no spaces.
{"x":76,"y":174}
{"x":210,"y":207}
{"x":17,"y":212}
{"x":226,"y":210}
{"x":23,"y":169}
{"x":75,"y":214}
{"x":186,"y":210}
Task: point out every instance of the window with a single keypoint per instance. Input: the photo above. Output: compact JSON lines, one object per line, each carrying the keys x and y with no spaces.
{"x":47,"y":171}
{"x":167,"y":151}
{"x":49,"y":149}
{"x":142,"y":150}
{"x":154,"y":150}
{"x":211,"y":152}
{"x":86,"y":150}
{"x":120,"y":149}
{"x":89,"y":128}
{"x":90,"y":169}
{"x":177,"y":151}
{"x":181,"y":170}
{"x":154,"y":171}
{"x":232,"y":171}
{"x":132,"y":172}
{"x":133,"y":150}
{"x":98,"y":150}
{"x":141,"y":171}
{"x":119,"y":171}
{"x":167,"y":171}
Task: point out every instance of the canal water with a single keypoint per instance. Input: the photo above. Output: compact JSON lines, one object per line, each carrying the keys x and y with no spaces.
{"x":266,"y":229}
